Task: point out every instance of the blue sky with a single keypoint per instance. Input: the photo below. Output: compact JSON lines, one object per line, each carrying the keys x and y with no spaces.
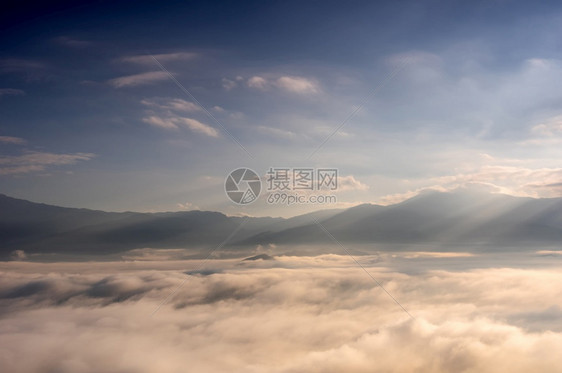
{"x":450,"y":93}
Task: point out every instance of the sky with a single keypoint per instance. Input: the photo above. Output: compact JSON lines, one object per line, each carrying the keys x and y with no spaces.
{"x":149,"y":106}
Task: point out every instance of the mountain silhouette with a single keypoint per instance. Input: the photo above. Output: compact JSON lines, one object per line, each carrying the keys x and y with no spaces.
{"x":446,"y":218}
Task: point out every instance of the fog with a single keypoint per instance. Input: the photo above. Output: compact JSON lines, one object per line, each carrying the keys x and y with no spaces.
{"x":471,"y":313}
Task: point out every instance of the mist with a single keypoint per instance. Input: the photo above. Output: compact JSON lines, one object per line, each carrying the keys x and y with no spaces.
{"x":288,"y":314}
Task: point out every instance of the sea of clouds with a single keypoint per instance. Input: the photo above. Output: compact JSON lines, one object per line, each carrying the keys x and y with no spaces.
{"x":290,"y":314}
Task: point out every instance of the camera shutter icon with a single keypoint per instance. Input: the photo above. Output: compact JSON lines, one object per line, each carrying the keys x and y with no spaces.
{"x":242,"y":186}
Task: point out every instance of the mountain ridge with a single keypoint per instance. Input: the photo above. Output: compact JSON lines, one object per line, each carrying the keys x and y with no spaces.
{"x":461,"y":216}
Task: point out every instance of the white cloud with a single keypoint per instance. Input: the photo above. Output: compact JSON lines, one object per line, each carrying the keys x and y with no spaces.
{"x":325,"y":315}
{"x":146,"y":59}
{"x":182,"y":105}
{"x":164,"y":114}
{"x":297,"y":84}
{"x":349,"y":182}
{"x":197,"y":126}
{"x":139,"y":79}
{"x":173,"y":104}
{"x":174,"y":122}
{"x":291,"y":84}
{"x":167,"y":123}
{"x":512,"y":180}
{"x":258,"y":82}
{"x":38,"y":161}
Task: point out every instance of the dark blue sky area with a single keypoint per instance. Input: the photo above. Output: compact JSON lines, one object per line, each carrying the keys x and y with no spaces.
{"x":89,"y":119}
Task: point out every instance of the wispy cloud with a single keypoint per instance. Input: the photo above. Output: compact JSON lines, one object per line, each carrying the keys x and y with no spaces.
{"x":197,"y":126}
{"x":72,"y":42}
{"x":175,"y":122}
{"x":139,"y":79}
{"x":228,"y":84}
{"x":277,"y":132}
{"x":173,"y":104}
{"x":165,"y":113}
{"x":167,"y":123}
{"x":145,"y":59}
{"x":291,"y":84}
{"x":38,"y":161}
{"x":12,"y":140}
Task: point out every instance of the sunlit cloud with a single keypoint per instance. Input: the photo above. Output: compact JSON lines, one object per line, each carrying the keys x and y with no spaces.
{"x":139,"y":79}
{"x":173,"y":104}
{"x":33,"y":161}
{"x":258,"y":82}
{"x":198,"y":126}
{"x":297,"y":84}
{"x":491,"y":175}
{"x":331,"y":316}
{"x":349,"y":182}
{"x":551,"y":127}
{"x":291,"y":84}
{"x":166,"y":113}
{"x":547,"y":133}
{"x":167,"y":123}
{"x":175,"y":122}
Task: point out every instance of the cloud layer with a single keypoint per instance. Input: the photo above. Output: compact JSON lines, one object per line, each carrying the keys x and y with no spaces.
{"x":292,"y":314}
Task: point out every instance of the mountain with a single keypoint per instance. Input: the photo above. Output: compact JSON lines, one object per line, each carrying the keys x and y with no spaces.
{"x":459,"y":217}
{"x":40,"y":228}
{"x":35,"y":227}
